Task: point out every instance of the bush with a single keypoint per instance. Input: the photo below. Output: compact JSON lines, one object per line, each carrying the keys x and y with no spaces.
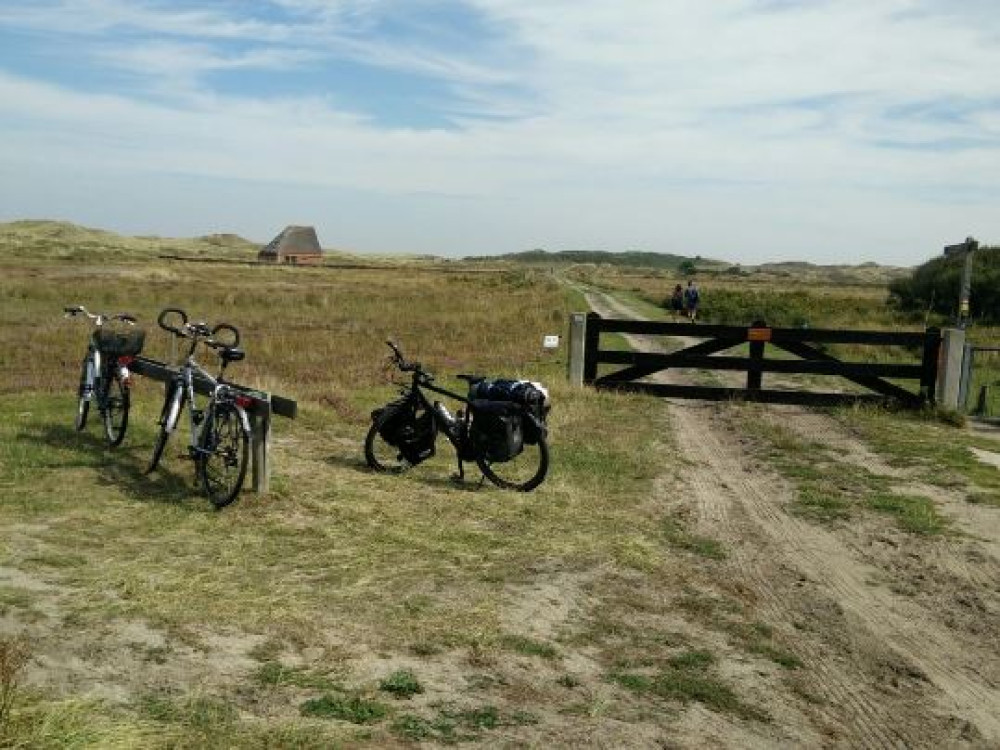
{"x":935,"y":286}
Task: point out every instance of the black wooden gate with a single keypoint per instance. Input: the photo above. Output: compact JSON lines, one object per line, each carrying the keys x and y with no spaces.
{"x":800,"y":342}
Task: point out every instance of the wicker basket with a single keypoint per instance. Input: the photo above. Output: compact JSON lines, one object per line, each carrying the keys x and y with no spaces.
{"x":119,"y":343}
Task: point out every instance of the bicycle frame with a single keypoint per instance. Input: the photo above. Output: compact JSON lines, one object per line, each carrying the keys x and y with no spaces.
{"x":455,"y":429}
{"x":185,"y":389}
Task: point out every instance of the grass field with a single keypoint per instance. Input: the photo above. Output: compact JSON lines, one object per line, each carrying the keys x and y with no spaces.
{"x":348,"y":608}
{"x":137,"y":582}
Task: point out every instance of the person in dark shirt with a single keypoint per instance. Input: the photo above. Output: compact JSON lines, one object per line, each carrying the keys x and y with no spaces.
{"x":691,"y":299}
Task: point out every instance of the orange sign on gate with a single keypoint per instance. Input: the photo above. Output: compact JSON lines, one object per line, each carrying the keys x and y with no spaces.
{"x":758,"y":334}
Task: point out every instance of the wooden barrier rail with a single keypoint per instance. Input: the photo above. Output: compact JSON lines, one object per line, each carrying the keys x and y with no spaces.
{"x":264,"y":406}
{"x":800,"y":342}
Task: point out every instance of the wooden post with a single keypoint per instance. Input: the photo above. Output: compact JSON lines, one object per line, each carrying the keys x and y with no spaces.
{"x":950,"y":367}
{"x":930,"y":364}
{"x":755,"y":375}
{"x":966,"y":383}
{"x":260,"y":438}
{"x":577,"y":342}
{"x":592,"y":339}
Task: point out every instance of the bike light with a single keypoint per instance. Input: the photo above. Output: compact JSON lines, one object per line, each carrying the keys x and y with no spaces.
{"x":244,"y":402}
{"x":126,"y":360}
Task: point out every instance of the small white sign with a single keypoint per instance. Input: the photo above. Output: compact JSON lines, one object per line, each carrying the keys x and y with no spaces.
{"x":551,"y":342}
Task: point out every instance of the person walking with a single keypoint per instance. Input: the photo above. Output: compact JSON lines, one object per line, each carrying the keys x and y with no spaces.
{"x":677,"y":301}
{"x":691,"y":299}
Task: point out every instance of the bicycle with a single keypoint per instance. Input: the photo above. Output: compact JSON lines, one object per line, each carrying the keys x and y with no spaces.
{"x":219,"y":433}
{"x":505,"y":438}
{"x":105,"y":375}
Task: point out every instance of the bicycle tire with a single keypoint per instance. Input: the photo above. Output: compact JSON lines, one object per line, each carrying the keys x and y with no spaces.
{"x":224,"y":451}
{"x":168,"y":419}
{"x":116,"y":401}
{"x":83,"y":403}
{"x":523,"y":473}
{"x":379,"y":455}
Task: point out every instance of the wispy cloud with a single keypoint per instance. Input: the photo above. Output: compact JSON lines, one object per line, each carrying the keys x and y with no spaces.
{"x":741,"y":112}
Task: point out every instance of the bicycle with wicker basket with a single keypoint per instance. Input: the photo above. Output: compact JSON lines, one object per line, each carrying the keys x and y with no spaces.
{"x":105,"y":378}
{"x":500,"y":427}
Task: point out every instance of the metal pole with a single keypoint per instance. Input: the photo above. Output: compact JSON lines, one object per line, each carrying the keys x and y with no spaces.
{"x":963,"y":301}
{"x":967,"y":249}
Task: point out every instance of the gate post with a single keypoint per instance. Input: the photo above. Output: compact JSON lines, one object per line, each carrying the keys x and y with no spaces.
{"x":592,"y":342}
{"x":950,"y":367}
{"x":577,"y":341}
{"x":755,"y":376}
{"x":968,"y":354}
{"x":260,"y":439}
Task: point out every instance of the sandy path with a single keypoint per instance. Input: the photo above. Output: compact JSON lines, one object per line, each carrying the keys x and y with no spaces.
{"x":854,"y":636}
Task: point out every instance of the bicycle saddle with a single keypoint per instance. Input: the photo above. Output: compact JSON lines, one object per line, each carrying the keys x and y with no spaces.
{"x":232,"y":354}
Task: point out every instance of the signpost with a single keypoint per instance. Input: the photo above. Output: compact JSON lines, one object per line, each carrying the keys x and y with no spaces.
{"x":968,"y":249}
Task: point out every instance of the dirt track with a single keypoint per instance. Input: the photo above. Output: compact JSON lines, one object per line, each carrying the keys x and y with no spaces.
{"x":897,"y":635}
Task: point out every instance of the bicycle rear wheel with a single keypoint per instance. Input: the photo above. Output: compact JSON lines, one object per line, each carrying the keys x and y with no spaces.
{"x":172,"y":405}
{"x":379,"y":455}
{"x":83,"y":403}
{"x":224,"y":450}
{"x":523,"y":473}
{"x":116,"y":401}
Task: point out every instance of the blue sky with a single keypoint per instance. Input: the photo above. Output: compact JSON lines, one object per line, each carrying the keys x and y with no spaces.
{"x":751,"y":130}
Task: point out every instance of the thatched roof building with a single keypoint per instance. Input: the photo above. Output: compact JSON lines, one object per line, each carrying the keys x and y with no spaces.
{"x":294,"y":244}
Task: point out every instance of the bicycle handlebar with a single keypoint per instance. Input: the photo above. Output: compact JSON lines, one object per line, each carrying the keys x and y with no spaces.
{"x":400,"y":360}
{"x":404,"y":366}
{"x":199,"y":331}
{"x":72,"y":312}
{"x":226,"y":327}
{"x":161,"y":320}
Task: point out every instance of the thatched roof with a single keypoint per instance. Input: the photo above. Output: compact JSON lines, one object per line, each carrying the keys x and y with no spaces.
{"x":293,"y":240}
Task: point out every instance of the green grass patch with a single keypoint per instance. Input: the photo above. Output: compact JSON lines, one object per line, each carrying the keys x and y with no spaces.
{"x":353,"y":708}
{"x":680,"y":538}
{"x":452,"y":725}
{"x":913,"y":513}
{"x":528,"y":646}
{"x":279,"y":675}
{"x":690,"y":682}
{"x":402,"y":683}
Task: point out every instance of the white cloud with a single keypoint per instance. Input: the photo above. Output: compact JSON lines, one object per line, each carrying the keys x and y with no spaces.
{"x":756,"y":129}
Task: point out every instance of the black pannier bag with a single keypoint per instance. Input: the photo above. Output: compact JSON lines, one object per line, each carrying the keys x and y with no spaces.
{"x":412,"y":434}
{"x":119,"y":343}
{"x":522,"y":392}
{"x":497,"y":429}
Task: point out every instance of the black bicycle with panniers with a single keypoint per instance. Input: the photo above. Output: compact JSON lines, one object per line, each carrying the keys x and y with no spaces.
{"x":219,"y":429}
{"x":501,"y":427}
{"x":105,"y":377}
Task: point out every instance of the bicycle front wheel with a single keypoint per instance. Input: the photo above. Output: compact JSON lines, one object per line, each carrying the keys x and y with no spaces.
{"x":83,"y":403}
{"x":381,"y":456}
{"x":224,"y":450}
{"x":116,"y":400}
{"x":523,"y":473}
